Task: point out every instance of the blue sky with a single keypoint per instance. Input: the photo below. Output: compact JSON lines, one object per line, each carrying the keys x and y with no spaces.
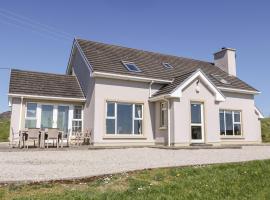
{"x":193,"y":29}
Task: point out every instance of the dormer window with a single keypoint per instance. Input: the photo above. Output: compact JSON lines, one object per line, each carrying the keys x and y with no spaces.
{"x":220,"y":79}
{"x":167,"y":65}
{"x":132,"y":67}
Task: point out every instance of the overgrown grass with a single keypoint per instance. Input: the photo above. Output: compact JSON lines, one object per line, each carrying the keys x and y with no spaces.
{"x":4,"y":129}
{"x":224,"y":181}
{"x":266,"y":130}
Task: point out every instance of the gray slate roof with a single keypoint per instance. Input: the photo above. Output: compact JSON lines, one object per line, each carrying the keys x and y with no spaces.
{"x":44,"y":84}
{"x":108,"y":58}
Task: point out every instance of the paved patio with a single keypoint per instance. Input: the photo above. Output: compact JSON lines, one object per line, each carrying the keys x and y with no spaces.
{"x":17,"y":166}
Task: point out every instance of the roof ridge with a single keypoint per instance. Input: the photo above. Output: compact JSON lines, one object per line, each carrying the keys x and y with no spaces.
{"x":146,"y":51}
{"x":39,"y":72}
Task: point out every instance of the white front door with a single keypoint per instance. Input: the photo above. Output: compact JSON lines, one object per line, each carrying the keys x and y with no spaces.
{"x":197,"y":122}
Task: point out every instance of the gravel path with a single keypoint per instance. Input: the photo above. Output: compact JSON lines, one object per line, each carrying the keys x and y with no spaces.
{"x":52,"y":165}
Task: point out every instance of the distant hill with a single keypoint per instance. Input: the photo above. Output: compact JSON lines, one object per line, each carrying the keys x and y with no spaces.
{"x":4,"y":126}
{"x":5,"y":115}
{"x":266,"y":129}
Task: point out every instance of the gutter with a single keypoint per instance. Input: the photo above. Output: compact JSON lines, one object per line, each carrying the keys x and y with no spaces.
{"x":129,"y":77}
{"x":224,"y":89}
{"x":47,"y":97}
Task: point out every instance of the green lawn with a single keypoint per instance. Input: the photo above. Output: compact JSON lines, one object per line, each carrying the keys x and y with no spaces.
{"x":249,"y":180}
{"x":266,"y":130}
{"x":4,"y":129}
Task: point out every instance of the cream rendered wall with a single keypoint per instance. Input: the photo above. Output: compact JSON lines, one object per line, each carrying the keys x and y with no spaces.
{"x":161,"y":134}
{"x":182,"y":116}
{"x":123,"y":91}
{"x":251,"y":125}
{"x":15,"y":116}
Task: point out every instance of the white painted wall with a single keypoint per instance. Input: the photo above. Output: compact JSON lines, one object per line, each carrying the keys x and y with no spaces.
{"x":182,"y":116}
{"x":123,"y":91}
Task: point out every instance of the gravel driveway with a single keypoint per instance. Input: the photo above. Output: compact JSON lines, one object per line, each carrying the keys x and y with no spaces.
{"x":52,"y":165}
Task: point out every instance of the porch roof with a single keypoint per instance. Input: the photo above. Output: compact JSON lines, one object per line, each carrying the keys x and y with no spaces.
{"x":39,"y":84}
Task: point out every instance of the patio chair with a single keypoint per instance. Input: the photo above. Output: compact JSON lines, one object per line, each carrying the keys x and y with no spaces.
{"x":78,"y":138}
{"x":32,"y":135}
{"x":15,"y":139}
{"x":83,"y":138}
{"x":87,"y":137}
{"x":65,"y":136}
{"x":52,"y":134}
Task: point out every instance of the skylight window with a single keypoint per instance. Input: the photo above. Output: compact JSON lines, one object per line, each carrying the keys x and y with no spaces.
{"x":220,"y":79}
{"x":167,"y":65}
{"x":131,"y":66}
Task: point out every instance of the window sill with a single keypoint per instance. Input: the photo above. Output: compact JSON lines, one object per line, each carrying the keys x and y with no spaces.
{"x":124,"y":137}
{"x":163,"y":128}
{"x":232,"y":137}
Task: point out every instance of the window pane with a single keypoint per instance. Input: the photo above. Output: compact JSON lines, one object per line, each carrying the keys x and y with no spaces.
{"x":46,"y":116}
{"x":237,"y":116}
{"x":124,"y":118}
{"x":110,"y":109}
{"x":221,"y":122}
{"x":110,"y":126}
{"x":77,"y":113}
{"x":196,"y":113}
{"x":76,"y":126}
{"x":62,"y":118}
{"x":237,"y":129}
{"x":31,"y":110}
{"x":30,"y":123}
{"x":138,"y":127}
{"x":229,"y":123}
{"x":138,"y":111}
{"x":196,"y":132}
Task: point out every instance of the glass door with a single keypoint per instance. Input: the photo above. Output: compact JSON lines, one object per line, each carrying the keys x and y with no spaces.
{"x":197,"y":123}
{"x":46,"y":116}
{"x":62,"y":118}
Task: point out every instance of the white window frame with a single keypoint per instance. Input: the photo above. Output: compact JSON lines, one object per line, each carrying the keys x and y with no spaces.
{"x":78,"y":120}
{"x":163,"y":111}
{"x":197,"y":124}
{"x":234,"y":122}
{"x":31,"y":118}
{"x":55,"y":114}
{"x":115,"y":118}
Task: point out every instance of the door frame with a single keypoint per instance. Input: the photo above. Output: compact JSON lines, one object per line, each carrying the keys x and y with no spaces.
{"x":202,"y":124}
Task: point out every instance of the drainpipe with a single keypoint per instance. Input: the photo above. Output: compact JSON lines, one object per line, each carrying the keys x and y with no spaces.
{"x":169,"y":121}
{"x":150,"y":88}
{"x":20,"y":114}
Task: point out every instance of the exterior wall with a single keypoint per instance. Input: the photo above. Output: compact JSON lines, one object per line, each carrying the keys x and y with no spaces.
{"x":15,"y":116}
{"x":87,"y":83}
{"x":161,"y":134}
{"x":129,"y":92}
{"x":182,"y":116}
{"x":18,"y":125}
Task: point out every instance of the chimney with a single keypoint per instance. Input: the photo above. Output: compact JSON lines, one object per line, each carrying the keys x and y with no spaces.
{"x":225,"y":59}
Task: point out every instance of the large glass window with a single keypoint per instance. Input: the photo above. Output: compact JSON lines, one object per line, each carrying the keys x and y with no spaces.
{"x":163,"y":115}
{"x":77,"y":119}
{"x":230,"y":122}
{"x":31,"y":115}
{"x":62,"y":118}
{"x":46,"y":116}
{"x":124,"y":118}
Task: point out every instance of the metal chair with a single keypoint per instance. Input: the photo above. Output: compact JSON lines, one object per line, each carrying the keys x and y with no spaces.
{"x":32,"y":135}
{"x":52,"y":134}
